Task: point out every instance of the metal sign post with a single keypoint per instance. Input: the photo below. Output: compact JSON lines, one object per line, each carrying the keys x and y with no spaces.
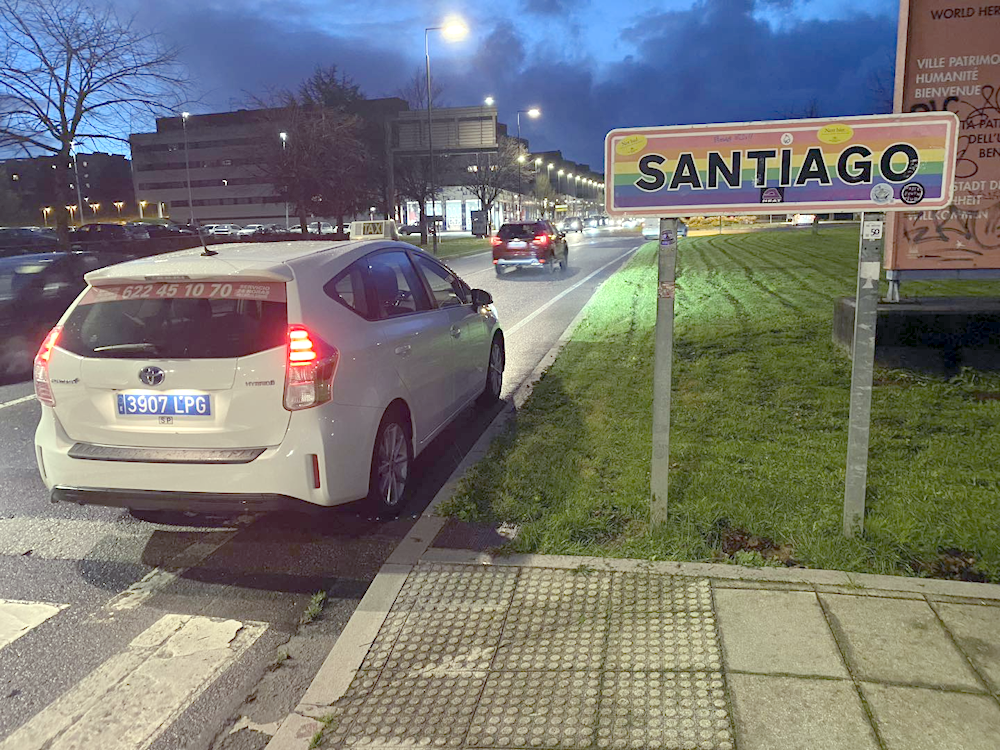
{"x":663,"y":367}
{"x":862,"y":369}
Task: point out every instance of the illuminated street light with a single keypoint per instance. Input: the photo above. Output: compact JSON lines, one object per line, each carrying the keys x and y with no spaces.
{"x":453,"y":29}
{"x":187,"y":164}
{"x":533,"y":113}
{"x":488,"y":101}
{"x":284,"y":142}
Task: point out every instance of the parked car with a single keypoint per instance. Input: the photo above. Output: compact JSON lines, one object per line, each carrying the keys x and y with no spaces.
{"x":250,"y":230}
{"x":412,"y":229}
{"x":108,"y":238}
{"x":164,"y":230}
{"x":225,"y":230}
{"x":23,"y":241}
{"x":34,"y":291}
{"x":533,"y":244}
{"x":274,"y":376}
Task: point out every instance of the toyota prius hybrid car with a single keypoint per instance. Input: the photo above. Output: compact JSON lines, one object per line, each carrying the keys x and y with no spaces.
{"x":260,"y":376}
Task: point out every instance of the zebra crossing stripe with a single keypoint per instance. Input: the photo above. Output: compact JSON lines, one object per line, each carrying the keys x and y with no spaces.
{"x":131,"y":699}
{"x":17,"y":618}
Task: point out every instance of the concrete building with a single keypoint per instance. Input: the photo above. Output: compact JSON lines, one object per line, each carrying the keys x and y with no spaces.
{"x":105,"y":179}
{"x":227,"y":183}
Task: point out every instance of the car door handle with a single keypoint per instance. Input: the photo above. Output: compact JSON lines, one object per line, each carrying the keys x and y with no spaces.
{"x":403,"y":350}
{"x":456,"y":331}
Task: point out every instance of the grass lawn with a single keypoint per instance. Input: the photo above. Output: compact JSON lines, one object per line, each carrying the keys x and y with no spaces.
{"x":452,"y":247}
{"x":759,"y":433}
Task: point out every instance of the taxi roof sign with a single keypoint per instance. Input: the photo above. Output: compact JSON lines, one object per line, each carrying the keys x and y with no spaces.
{"x":370,"y":230}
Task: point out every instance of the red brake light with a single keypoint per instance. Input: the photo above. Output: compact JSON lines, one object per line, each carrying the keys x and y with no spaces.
{"x":541,"y":239}
{"x":43,"y":388}
{"x":494,"y":240}
{"x":312,"y":366}
{"x":301,"y":349}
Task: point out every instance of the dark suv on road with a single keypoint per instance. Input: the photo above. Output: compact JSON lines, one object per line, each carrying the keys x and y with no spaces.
{"x":535,"y":244}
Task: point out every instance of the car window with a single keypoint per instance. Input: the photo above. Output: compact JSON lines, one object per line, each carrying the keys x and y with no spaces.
{"x":349,"y":289}
{"x":517,"y":231}
{"x":174,"y":328}
{"x":446,"y":289}
{"x":397,"y":288}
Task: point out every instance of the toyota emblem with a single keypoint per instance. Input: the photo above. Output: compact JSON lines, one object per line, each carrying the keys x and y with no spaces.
{"x":151,"y":375}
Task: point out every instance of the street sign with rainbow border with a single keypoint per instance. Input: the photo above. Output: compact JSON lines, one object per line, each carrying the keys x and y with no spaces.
{"x":870,"y":163}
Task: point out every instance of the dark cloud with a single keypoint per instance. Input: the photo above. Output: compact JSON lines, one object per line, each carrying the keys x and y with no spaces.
{"x":559,"y":8}
{"x":715,"y":62}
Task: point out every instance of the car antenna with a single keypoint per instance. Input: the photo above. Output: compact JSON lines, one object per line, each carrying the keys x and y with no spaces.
{"x":207,"y":253}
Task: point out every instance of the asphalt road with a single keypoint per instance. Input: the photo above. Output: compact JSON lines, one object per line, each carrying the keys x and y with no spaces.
{"x":118,"y":633}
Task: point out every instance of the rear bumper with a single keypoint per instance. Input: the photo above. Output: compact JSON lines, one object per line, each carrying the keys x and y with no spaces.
{"x":193,"y":502}
{"x":529,"y":261}
{"x":339,"y":438}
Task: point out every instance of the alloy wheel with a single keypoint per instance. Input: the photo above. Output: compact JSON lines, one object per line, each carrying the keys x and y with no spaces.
{"x":393,"y":465}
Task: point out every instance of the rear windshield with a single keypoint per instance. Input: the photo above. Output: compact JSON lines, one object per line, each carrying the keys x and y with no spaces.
{"x":520,"y":231}
{"x":179,"y":328}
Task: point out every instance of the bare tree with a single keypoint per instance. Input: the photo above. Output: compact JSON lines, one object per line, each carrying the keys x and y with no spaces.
{"x":414,"y":91}
{"x":492,"y":173}
{"x":321,"y":168}
{"x":413,"y":181}
{"x":70,"y":71}
{"x":325,"y":88}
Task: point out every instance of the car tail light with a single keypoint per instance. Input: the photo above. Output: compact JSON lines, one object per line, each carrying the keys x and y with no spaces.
{"x":541,"y":239}
{"x":495,"y":241}
{"x":309,"y":370}
{"x":43,"y":388}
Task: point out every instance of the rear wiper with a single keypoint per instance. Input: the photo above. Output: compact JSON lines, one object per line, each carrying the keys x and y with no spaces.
{"x":137,"y":347}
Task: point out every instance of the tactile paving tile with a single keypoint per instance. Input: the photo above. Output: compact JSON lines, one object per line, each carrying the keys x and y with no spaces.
{"x":403,"y":710}
{"x":456,"y":587}
{"x":346,"y":709}
{"x":662,"y":641}
{"x":447,"y":640}
{"x":652,"y":593}
{"x":381,"y":647}
{"x":563,"y":590}
{"x":546,"y":639}
{"x":664,"y":711}
{"x":537,"y":709}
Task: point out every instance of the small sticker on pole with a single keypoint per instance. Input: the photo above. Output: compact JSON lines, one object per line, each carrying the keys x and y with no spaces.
{"x":872,"y":230}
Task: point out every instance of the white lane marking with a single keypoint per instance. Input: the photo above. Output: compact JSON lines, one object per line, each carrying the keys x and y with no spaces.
{"x":158,"y":578}
{"x":131,"y":699}
{"x":528,"y":318}
{"x":17,"y":618}
{"x":16,"y":401}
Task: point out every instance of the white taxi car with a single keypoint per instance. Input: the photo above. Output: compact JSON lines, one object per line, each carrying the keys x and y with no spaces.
{"x":260,"y":376}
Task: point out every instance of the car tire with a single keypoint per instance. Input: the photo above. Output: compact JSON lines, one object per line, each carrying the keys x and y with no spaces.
{"x":564,"y":263}
{"x":499,"y":271}
{"x":392,"y":459}
{"x":494,"y":374}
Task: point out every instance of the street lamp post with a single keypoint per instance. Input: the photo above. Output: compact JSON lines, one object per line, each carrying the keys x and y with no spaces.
{"x":532,"y":113}
{"x":187,"y":163}
{"x":284,"y":142}
{"x":453,"y":30}
{"x":76,"y":172}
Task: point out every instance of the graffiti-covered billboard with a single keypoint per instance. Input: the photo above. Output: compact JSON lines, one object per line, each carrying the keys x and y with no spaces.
{"x":948,"y":59}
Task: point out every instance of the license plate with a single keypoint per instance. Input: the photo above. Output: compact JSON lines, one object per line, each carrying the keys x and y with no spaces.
{"x":164,"y":404}
{"x":516,"y":244}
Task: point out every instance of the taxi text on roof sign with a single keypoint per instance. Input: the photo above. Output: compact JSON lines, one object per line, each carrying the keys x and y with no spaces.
{"x":873,"y":163}
{"x":382,"y":228}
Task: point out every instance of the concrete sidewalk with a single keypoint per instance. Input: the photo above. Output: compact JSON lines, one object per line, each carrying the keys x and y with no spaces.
{"x":458,"y":649}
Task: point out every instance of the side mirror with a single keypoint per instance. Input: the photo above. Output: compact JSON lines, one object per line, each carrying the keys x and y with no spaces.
{"x":481,"y":298}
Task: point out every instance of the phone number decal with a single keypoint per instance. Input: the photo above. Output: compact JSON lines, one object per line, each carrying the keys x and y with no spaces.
{"x":266,"y":291}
